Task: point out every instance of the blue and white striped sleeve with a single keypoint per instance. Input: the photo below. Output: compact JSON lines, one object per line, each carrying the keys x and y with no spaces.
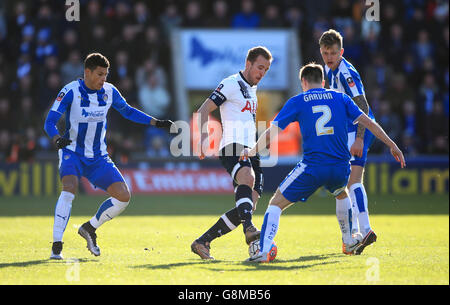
{"x":60,"y":105}
{"x":351,"y":81}
{"x":63,"y":100}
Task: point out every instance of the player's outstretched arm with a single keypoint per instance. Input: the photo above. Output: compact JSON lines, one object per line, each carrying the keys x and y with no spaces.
{"x":380,"y":134}
{"x":203,"y":112}
{"x":262,"y":142}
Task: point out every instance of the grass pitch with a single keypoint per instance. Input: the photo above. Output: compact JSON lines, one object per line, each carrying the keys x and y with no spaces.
{"x":150,"y":244}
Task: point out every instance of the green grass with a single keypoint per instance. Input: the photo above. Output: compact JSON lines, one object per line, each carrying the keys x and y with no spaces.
{"x":150,"y":244}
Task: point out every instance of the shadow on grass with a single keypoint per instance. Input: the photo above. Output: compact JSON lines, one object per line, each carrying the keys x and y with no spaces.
{"x":316,"y":260}
{"x":46,"y":262}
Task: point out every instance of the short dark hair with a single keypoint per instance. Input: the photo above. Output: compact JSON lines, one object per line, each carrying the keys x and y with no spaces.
{"x":94,"y":60}
{"x":330,"y":38}
{"x":253,"y":53}
{"x":312,"y":73}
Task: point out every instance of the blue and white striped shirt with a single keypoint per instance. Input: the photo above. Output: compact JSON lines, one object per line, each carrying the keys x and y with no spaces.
{"x":86,"y":116}
{"x":346,"y":79}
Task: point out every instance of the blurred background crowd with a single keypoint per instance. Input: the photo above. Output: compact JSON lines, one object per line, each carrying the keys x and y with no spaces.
{"x":403,"y":62}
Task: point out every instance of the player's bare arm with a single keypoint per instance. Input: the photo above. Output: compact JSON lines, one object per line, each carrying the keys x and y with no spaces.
{"x":358,"y":145}
{"x":381,"y":134}
{"x":203,"y":112}
{"x":262,"y":143}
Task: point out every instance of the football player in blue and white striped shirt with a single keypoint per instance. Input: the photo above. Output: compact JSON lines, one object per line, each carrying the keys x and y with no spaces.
{"x":343,"y":77}
{"x":82,"y":148}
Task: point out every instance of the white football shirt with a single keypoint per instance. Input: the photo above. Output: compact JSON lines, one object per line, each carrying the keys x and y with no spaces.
{"x":237,"y":102}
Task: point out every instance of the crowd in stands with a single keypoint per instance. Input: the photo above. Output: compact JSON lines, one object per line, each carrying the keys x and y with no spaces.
{"x":402,"y":59}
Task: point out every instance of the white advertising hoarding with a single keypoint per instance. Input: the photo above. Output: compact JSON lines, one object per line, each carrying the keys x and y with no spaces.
{"x":208,"y":56}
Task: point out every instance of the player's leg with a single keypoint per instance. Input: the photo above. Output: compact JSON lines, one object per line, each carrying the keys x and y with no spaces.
{"x":338,"y":177}
{"x":62,"y":213}
{"x":70,"y":170}
{"x":344,"y":217}
{"x":245,"y":180}
{"x":358,"y":196}
{"x":297,"y":186}
{"x":105,"y":175}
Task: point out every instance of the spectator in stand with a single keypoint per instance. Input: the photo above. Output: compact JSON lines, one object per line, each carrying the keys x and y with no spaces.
{"x":169,"y":19}
{"x":72,"y":68}
{"x":5,"y":145}
{"x":70,"y":42}
{"x":153,"y":97}
{"x":193,"y":17}
{"x":272,"y":18}
{"x":390,"y":122}
{"x":437,"y":130}
{"x":379,"y":73}
{"x":220,"y":17}
{"x":247,"y":17}
{"x":49,"y":92}
{"x":150,"y":67}
{"x":121,"y":67}
{"x":142,"y":17}
{"x":7,"y":121}
{"x":423,"y":48}
{"x":25,"y":116}
{"x":398,"y":92}
{"x":396,"y":44}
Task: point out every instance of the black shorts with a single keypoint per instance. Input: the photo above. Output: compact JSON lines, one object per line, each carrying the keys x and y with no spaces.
{"x":229,"y":156}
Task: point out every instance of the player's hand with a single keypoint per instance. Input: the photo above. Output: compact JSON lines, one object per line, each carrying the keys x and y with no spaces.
{"x":398,"y":155}
{"x":357,"y":148}
{"x":202,"y":156}
{"x":62,"y":142}
{"x":165,"y":124}
{"x":245,"y":154}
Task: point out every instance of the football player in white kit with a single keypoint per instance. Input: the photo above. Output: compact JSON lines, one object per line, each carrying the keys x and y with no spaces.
{"x":236,"y":98}
{"x":82,"y":148}
{"x":343,"y":77}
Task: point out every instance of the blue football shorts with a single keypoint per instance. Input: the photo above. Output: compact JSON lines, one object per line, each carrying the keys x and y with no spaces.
{"x":101,"y":171}
{"x":304,"y":180}
{"x":368,"y":140}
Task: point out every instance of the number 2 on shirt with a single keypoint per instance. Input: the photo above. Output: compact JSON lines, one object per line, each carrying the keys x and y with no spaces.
{"x":322,"y":120}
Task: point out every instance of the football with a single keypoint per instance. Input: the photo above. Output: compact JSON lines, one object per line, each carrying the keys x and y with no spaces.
{"x":253,"y":248}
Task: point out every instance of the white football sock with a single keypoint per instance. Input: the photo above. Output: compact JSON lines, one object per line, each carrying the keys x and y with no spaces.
{"x":270,"y":227}
{"x":359,"y":198}
{"x":109,"y":209}
{"x":62,"y":214}
{"x":343,"y":210}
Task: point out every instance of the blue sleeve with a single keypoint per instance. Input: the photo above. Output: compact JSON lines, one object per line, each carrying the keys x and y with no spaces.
{"x":287,"y":114}
{"x":62,"y":101}
{"x":353,"y":111}
{"x":127,"y":111}
{"x":50,"y":123}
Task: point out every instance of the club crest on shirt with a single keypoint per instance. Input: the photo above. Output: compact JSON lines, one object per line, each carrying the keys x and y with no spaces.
{"x":60,"y":96}
{"x":350,"y":81}
{"x":105,"y":97}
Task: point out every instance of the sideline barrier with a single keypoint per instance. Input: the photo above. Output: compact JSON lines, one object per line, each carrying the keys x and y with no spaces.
{"x":423,"y":175}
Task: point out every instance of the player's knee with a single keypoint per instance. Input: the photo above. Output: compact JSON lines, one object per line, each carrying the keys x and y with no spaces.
{"x":70,"y":187}
{"x":123,"y":196}
{"x":246,"y":176}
